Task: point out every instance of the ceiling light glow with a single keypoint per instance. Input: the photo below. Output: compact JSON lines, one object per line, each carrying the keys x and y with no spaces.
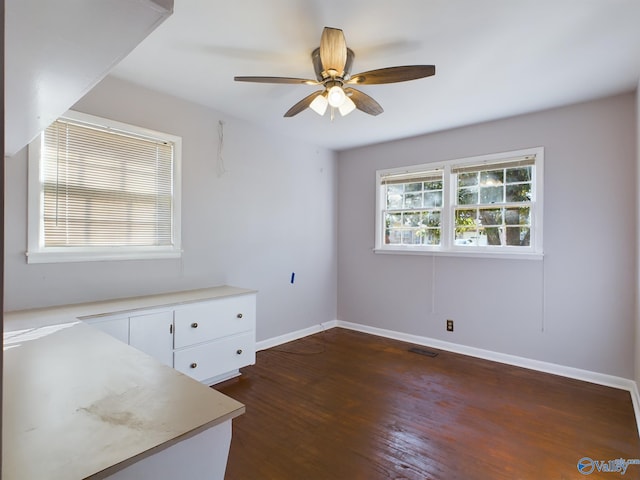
{"x":336,"y":96}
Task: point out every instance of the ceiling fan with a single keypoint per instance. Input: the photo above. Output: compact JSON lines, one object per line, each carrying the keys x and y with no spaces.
{"x":332,"y":64}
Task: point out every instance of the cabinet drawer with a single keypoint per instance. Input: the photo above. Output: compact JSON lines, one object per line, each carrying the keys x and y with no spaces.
{"x":215,"y":358}
{"x":218,"y":318}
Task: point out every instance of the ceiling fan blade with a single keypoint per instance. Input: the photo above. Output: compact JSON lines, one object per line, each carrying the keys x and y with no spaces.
{"x":333,"y":51}
{"x":303,"y":104}
{"x":392,"y":74}
{"x":301,"y":81}
{"x":364,"y":102}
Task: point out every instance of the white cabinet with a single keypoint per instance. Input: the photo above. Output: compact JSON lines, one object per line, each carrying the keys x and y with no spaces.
{"x":152,"y":334}
{"x":116,"y":327}
{"x":208,"y":339}
{"x":214,"y":339}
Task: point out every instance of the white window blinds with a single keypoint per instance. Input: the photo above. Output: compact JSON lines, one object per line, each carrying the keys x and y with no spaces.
{"x":105,"y":188}
{"x":410,"y":177}
{"x":524,"y":161}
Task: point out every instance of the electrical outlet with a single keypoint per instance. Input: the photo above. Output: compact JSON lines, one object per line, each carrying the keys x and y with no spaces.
{"x":449,"y":325}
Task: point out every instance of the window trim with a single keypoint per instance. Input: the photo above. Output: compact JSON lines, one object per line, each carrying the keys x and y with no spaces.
{"x":447,"y":246}
{"x":38,"y":253}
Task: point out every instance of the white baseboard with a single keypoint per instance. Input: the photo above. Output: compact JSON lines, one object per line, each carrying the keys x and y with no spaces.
{"x":289,"y":337}
{"x":593,"y":377}
{"x":635,"y":398}
{"x":553,"y":368}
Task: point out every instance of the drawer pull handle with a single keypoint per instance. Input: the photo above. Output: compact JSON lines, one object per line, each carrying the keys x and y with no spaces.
{"x":239,"y":315}
{"x":194,"y":325}
{"x":193,"y":365}
{"x":239,"y":351}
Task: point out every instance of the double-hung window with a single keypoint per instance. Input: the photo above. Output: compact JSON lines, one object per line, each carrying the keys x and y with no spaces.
{"x":488,"y":205}
{"x":413,"y":208}
{"x":102,"y":190}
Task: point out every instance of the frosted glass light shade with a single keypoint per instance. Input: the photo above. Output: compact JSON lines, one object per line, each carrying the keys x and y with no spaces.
{"x":319,"y":104}
{"x":347,"y":107}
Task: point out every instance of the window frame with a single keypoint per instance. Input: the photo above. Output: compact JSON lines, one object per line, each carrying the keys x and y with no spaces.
{"x":38,"y":253}
{"x":447,"y":245}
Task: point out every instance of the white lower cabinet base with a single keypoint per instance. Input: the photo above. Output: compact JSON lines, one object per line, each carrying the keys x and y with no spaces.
{"x":203,"y":361}
{"x":201,"y":457}
{"x":209,"y":339}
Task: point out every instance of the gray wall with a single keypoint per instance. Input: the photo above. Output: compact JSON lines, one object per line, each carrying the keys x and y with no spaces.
{"x":272,"y":213}
{"x":575,"y":308}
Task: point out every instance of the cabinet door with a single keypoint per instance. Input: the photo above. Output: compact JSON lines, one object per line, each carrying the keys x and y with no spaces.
{"x":153,"y":334}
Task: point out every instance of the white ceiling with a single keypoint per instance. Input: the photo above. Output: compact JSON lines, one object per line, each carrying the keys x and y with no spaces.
{"x":493,"y":58}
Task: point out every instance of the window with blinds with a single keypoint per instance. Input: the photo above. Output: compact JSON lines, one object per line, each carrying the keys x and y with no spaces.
{"x":482,"y":205}
{"x":105,"y":189}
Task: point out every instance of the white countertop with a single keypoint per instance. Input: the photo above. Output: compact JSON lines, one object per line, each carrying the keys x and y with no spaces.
{"x":38,"y":317}
{"x":79,"y":404}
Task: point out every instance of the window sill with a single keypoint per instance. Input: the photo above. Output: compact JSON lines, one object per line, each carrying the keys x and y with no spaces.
{"x":99,"y":256}
{"x":461,"y":253}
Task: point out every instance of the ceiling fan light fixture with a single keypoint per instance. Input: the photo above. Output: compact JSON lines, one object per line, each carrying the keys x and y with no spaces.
{"x":347,"y":107}
{"x":319,"y":104}
{"x":336,"y":96}
{"x":332,"y":62}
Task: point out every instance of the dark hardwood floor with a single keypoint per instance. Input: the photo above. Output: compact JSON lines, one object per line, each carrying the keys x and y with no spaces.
{"x":347,"y":405}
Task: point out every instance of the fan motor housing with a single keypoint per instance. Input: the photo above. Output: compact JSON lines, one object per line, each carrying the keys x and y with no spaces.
{"x":317,"y":65}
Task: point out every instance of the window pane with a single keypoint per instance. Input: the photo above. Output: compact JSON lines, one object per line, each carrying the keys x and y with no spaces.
{"x":408,"y":237}
{"x":517,"y":216}
{"x":522,"y":174}
{"x":431,"y":219}
{"x":468,"y":196}
{"x":518,"y":236}
{"x":395,"y":189}
{"x":467,"y":179}
{"x":519,"y":193}
{"x":393,"y":237}
{"x":413,"y":187}
{"x":466,"y":231}
{"x":429,"y":236}
{"x":466,"y":218}
{"x":433,"y":185}
{"x":491,"y":236}
{"x":466,"y":237}
{"x":433,"y":199}
{"x":413,"y":200}
{"x":394,"y":199}
{"x":412,"y":219}
{"x":412,"y":228}
{"x":490,"y":216}
{"x":393,"y":219}
{"x":492,"y":178}
{"x":491,"y":194}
